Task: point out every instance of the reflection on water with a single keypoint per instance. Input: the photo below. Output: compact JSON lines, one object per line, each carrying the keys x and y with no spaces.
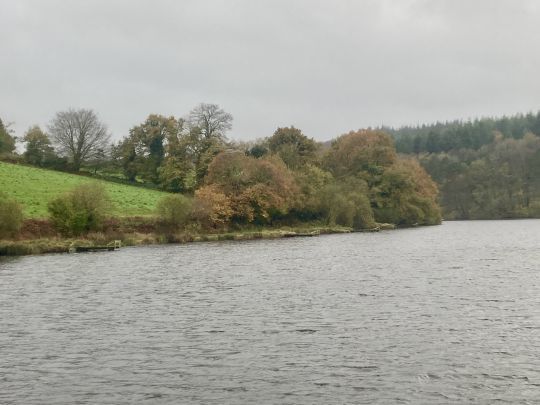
{"x":447,"y":314}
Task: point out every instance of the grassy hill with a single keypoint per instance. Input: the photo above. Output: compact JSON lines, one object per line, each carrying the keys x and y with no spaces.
{"x":34,"y":188}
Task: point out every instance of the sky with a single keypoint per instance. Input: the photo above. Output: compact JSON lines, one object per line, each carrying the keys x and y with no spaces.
{"x":326,"y":67}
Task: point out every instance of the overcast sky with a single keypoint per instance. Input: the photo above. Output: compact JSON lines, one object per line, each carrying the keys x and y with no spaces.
{"x":324,"y":66}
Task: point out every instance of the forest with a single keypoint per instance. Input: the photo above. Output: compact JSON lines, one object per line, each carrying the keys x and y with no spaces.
{"x":486,"y":169}
{"x":215,"y":184}
{"x":483,"y":169}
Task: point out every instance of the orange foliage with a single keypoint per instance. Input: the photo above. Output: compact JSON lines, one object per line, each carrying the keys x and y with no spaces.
{"x":212,"y":208}
{"x":257,"y":188}
{"x":362,"y":150}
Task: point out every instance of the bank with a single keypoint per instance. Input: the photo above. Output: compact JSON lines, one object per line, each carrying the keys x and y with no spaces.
{"x":41,"y":239}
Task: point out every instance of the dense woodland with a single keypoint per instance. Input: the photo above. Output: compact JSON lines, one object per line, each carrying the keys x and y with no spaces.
{"x":284,"y":179}
{"x":486,"y":168}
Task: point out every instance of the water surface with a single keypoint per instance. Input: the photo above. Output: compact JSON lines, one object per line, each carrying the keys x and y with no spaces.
{"x":446,"y":314}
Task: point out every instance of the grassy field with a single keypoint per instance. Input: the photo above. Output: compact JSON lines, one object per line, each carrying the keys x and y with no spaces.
{"x":34,"y":188}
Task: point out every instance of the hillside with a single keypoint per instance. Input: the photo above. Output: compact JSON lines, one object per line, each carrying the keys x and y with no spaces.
{"x":34,"y":188}
{"x":456,"y":135}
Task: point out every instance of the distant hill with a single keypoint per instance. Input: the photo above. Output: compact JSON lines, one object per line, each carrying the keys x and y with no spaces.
{"x":455,"y":135}
{"x":34,"y":188}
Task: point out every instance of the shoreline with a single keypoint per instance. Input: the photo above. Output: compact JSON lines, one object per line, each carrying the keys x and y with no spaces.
{"x":38,"y":246}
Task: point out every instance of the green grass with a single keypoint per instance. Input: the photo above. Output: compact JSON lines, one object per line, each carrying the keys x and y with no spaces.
{"x":34,"y":188}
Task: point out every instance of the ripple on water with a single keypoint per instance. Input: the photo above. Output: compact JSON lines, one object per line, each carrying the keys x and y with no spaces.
{"x":445,"y":314}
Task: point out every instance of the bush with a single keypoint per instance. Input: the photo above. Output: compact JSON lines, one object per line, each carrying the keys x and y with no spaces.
{"x":346,"y":208}
{"x":11,"y":216}
{"x":213,"y":209}
{"x":79,"y":211}
{"x":174,"y":211}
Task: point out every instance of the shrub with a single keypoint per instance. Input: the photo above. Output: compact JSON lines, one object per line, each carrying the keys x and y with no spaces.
{"x":79,"y":211}
{"x":213,"y":209}
{"x":11,"y":216}
{"x":346,"y":208}
{"x":174,"y":211}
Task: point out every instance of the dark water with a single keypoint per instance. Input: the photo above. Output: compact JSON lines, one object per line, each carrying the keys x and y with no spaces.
{"x":447,"y":314}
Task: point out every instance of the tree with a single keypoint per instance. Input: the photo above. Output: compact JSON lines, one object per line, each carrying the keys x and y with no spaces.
{"x":212,"y":208}
{"x":292,"y":146}
{"x":347,"y":204}
{"x":142,"y":153}
{"x":78,"y":134}
{"x":188,"y":152}
{"x":7,"y":142}
{"x":312,"y":182}
{"x":364,"y":152}
{"x":259,"y":189}
{"x":149,"y":138}
{"x":212,"y":121}
{"x":406,"y":195}
{"x":39,"y":151}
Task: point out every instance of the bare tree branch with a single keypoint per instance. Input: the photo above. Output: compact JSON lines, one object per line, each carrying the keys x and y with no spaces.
{"x":211,"y":120}
{"x":78,"y":134}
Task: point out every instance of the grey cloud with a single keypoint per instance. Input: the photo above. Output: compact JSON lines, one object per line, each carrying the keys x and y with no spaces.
{"x":324,"y":66}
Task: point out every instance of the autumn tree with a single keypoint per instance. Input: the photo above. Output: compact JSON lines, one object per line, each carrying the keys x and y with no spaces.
{"x":364,"y":152}
{"x":292,"y":146}
{"x":399,"y":190}
{"x":313,"y":183}
{"x":7,"y":141}
{"x":212,"y":208}
{"x":143,"y":151}
{"x":78,"y":134}
{"x":259,"y":189}
{"x":38,"y":149}
{"x":187,"y":156}
{"x":406,"y":195}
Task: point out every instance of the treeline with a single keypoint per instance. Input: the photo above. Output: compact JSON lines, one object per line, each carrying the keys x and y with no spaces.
{"x":284,"y":179}
{"x":448,"y":136}
{"x":499,"y":180}
{"x":485,"y":168}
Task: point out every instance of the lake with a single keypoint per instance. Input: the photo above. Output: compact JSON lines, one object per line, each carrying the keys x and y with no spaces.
{"x":444,"y":314}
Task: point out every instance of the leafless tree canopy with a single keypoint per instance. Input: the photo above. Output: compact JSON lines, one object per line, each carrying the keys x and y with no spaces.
{"x":78,"y":134}
{"x":211,"y":120}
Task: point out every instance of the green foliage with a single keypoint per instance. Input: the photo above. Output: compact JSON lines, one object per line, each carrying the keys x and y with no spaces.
{"x":282,"y":179}
{"x":79,"y":211}
{"x":406,"y":196}
{"x":347,"y":204}
{"x":364,"y":153}
{"x":455,"y":135}
{"x":292,"y":146}
{"x":499,"y":180}
{"x":174,"y":211}
{"x":34,"y":188}
{"x":38,"y":149}
{"x":171,"y":154}
{"x":312,"y":181}
{"x":11,"y":216}
{"x":7,"y":142}
{"x":142,"y":153}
